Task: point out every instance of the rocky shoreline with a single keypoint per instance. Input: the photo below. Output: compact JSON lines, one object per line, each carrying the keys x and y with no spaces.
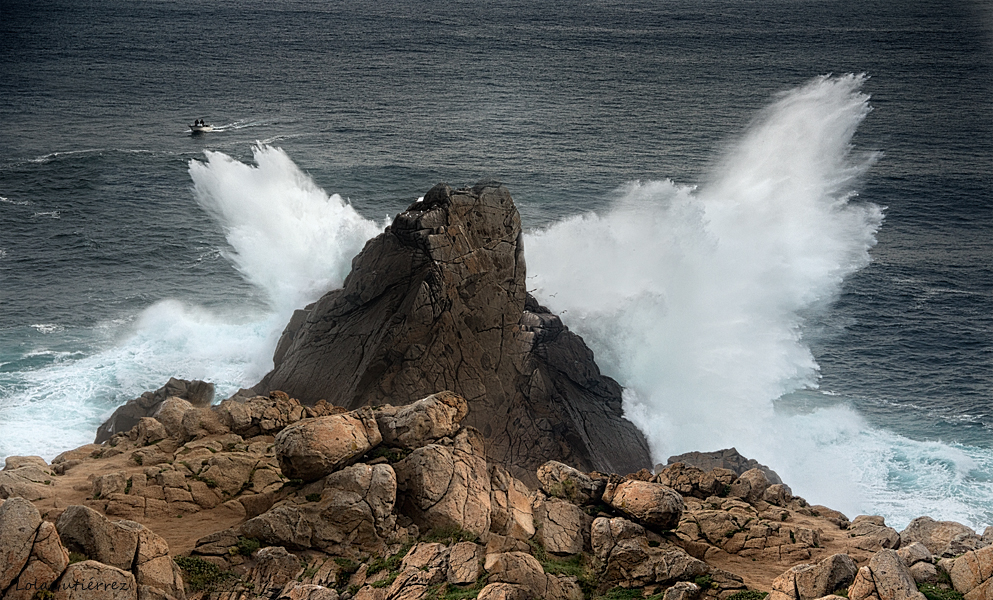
{"x":429,"y":431}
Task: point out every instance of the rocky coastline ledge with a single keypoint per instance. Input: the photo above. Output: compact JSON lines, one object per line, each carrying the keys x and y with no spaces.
{"x":428,"y":432}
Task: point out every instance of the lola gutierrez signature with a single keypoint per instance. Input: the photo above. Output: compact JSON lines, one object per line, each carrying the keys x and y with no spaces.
{"x":91,"y":585}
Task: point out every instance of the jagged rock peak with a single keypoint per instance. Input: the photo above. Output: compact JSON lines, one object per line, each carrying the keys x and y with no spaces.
{"x":438,"y":302}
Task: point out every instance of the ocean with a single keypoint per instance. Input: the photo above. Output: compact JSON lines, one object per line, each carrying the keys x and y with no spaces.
{"x":772,"y":220}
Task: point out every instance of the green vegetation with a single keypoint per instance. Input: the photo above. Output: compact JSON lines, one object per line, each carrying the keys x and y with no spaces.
{"x":43,"y":595}
{"x":201,"y":575}
{"x":933,"y":592}
{"x":346,"y":566}
{"x":390,"y":563}
{"x":315,"y":497}
{"x":75,"y":557}
{"x":449,"y":536}
{"x":843,"y":592}
{"x":246,"y":546}
{"x":391,"y":455}
{"x":127,"y":488}
{"x":748,"y":595}
{"x":619,"y":593}
{"x":705,"y":582}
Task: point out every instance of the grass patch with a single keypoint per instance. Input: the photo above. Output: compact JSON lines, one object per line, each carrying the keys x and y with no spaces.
{"x":705,"y":582}
{"x":449,"y":535}
{"x":246,"y":546}
{"x":843,"y":592}
{"x":390,"y":563}
{"x":201,"y":575}
{"x":619,"y":593}
{"x":933,"y":592}
{"x":382,"y":583}
{"x":346,"y":566}
{"x":454,"y":592}
{"x":75,"y":557}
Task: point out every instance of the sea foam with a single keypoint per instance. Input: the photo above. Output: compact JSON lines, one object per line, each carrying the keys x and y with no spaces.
{"x":695,"y":300}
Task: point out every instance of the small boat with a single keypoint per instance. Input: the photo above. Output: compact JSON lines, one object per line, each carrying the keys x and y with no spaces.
{"x":201,"y":128}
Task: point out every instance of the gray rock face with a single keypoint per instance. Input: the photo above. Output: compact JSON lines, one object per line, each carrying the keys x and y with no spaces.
{"x":438,"y":302}
{"x":198,"y":393}
{"x":723,"y":459}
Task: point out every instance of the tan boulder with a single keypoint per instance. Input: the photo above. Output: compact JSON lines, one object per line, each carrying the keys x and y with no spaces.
{"x":313,"y":448}
{"x":750,"y":486}
{"x":447,"y":485}
{"x":356,"y":509}
{"x":518,"y":568}
{"x":465,"y":563}
{"x":935,"y":535}
{"x":559,"y":480}
{"x":170,"y":415}
{"x":973,"y":571}
{"x":416,"y":424}
{"x":606,"y":533}
{"x":885,"y":578}
{"x":692,"y":481}
{"x":682,"y":590}
{"x":650,"y":503}
{"x":274,"y":568}
{"x":201,"y":422}
{"x":913,"y":553}
{"x":871,"y":534}
{"x":808,"y":582}
{"x":228,"y":473}
{"x":505,"y":591}
{"x":261,"y":415}
{"x":19,"y":522}
{"x":149,"y":430}
{"x":424,"y":556}
{"x":85,"y":530}
{"x":778,"y":494}
{"x":307,"y":591}
{"x":92,"y":580}
{"x":511,"y":513}
{"x":924,"y":572}
{"x":28,"y":481}
{"x":47,"y":562}
{"x":561,"y":526}
{"x":16,"y":462}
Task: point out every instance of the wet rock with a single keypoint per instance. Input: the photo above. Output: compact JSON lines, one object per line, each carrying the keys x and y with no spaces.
{"x":313,"y":448}
{"x":439,"y":302}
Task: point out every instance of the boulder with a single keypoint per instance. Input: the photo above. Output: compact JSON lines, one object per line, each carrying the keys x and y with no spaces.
{"x":871,"y":534}
{"x":197,"y":393}
{"x":47,"y":562}
{"x":972,"y":574}
{"x":505,"y":591}
{"x":355,"y":509}
{"x":447,"y":486}
{"x":808,"y":582}
{"x":465,"y":563}
{"x":92,"y":580}
{"x":524,"y":570}
{"x":682,"y":590}
{"x":28,"y":481}
{"x":511,"y":513}
{"x":19,"y":522}
{"x":884,"y":578}
{"x":630,"y":556}
{"x":439,"y":302}
{"x":779,"y":494}
{"x":428,"y":419}
{"x":562,"y":481}
{"x":170,"y":413}
{"x":723,"y":459}
{"x":606,"y":533}
{"x":261,"y":415}
{"x":84,"y":530}
{"x":313,"y":448}
{"x":561,"y":526}
{"x":750,"y":486}
{"x":935,"y":535}
{"x":650,"y":503}
{"x":274,"y":568}
{"x":16,"y":462}
{"x":913,"y":552}
{"x":692,"y":481}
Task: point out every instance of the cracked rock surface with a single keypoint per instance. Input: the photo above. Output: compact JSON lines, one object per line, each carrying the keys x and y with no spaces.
{"x":438,"y":302}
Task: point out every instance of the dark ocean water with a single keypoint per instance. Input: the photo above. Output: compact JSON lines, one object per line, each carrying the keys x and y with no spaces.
{"x":767,"y":264}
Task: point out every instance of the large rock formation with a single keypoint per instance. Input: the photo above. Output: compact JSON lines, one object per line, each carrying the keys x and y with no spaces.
{"x":438,"y":302}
